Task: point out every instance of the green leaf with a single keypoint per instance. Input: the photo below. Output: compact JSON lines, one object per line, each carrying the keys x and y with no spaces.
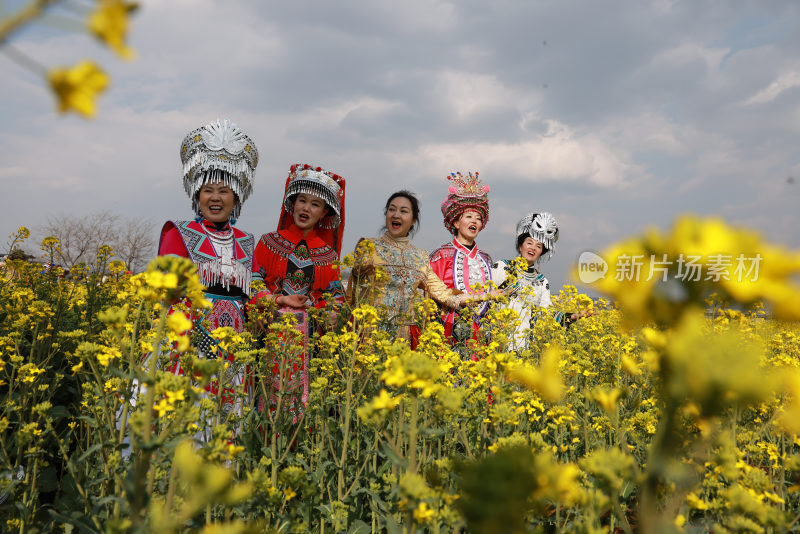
{"x":359,"y":527}
{"x":76,"y":520}
{"x":91,"y":450}
{"x":391,"y":525}
{"x":387,"y":450}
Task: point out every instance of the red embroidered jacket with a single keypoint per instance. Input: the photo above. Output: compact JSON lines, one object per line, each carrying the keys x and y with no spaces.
{"x":295,"y":264}
{"x":460,"y":268}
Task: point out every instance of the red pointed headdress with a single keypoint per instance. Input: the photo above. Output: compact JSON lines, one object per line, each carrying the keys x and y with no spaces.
{"x":330,"y":187}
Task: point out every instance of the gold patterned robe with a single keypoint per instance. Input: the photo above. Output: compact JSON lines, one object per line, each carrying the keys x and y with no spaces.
{"x":406,"y":278}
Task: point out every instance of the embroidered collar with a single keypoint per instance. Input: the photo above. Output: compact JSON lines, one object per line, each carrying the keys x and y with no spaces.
{"x":296,"y":235}
{"x":470,"y":252}
{"x":396,"y":241}
{"x":284,"y":242}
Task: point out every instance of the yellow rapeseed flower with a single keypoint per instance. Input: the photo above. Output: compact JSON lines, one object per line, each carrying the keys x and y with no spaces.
{"x":178,"y":323}
{"x":546,"y":380}
{"x":109,"y":23}
{"x":630,"y":366}
{"x":159,"y":280}
{"x":657,"y":276}
{"x":695,"y":502}
{"x":607,"y":399}
{"x":108,"y":354}
{"x":423,"y":513}
{"x":163,"y":406}
{"x":384,"y":401}
{"x":177,"y":395}
{"x":76,"y":88}
{"x":29,"y":372}
{"x":789,"y":418}
{"x":234,"y":450}
{"x":366,"y":313}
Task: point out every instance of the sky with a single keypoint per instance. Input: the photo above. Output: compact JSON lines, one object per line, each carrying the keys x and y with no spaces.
{"x":613,"y":116}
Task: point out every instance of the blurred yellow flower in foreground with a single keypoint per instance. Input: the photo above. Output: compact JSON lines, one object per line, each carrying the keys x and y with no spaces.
{"x":423,"y":513}
{"x":109,"y":23}
{"x":607,"y":399}
{"x":384,"y":401}
{"x":767,"y":276}
{"x":157,"y":279}
{"x":789,"y":418}
{"x":546,"y":380}
{"x":76,"y":88}
{"x":713,"y":370}
{"x":178,"y":323}
{"x":657,"y":276}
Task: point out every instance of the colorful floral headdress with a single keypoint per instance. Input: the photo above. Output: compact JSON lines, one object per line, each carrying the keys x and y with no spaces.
{"x":466,"y":193}
{"x":543,"y":228}
{"x":330,"y":187}
{"x":219,"y":152}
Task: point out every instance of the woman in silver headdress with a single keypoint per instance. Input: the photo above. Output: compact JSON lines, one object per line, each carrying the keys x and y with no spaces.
{"x":219,"y":162}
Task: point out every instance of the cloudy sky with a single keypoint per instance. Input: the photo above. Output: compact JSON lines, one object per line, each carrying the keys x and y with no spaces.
{"x":611,"y":115}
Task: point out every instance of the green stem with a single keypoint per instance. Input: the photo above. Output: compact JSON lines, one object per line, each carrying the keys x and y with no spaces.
{"x":345,"y":433}
{"x":22,"y":17}
{"x":142,"y":463}
{"x":412,"y":437}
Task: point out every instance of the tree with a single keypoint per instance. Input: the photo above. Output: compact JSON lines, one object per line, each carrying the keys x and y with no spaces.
{"x":135,"y":244}
{"x":132,"y":240}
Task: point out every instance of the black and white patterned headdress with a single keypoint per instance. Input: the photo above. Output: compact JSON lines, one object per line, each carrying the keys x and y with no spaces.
{"x":543,"y":228}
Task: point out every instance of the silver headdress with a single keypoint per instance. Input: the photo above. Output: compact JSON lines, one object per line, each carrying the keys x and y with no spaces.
{"x":318,"y":182}
{"x":219,"y":152}
{"x":543,"y":228}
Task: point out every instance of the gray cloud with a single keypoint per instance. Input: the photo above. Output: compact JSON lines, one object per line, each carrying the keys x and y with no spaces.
{"x":612,"y":115}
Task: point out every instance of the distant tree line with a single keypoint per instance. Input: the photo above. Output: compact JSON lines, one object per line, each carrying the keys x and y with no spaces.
{"x":132,"y":240}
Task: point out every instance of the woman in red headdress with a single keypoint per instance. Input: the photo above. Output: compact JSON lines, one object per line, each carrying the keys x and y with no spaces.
{"x":460,"y":263}
{"x":297,"y":260}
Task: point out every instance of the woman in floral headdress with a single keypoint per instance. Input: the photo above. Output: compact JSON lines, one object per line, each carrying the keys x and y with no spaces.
{"x":219,"y":162}
{"x":297,"y":260}
{"x":408,"y":276}
{"x":460,"y":263}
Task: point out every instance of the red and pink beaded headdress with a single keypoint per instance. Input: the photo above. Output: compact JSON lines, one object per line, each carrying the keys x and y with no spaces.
{"x":466,"y":193}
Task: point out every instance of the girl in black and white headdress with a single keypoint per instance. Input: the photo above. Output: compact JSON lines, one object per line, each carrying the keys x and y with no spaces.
{"x":522,"y":282}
